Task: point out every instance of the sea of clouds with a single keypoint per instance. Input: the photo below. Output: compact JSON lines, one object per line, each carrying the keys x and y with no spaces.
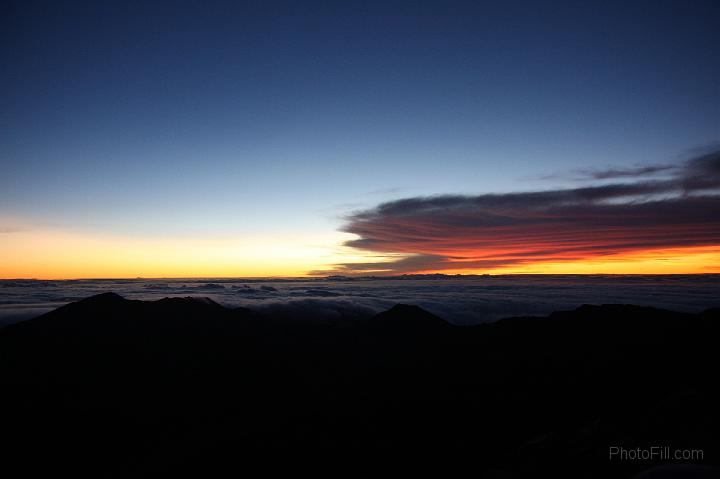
{"x":461,"y":300}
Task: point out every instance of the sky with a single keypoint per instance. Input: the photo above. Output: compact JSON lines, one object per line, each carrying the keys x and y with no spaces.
{"x":189,"y":138}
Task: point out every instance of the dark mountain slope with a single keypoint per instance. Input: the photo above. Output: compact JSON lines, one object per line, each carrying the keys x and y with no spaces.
{"x":108,"y":387}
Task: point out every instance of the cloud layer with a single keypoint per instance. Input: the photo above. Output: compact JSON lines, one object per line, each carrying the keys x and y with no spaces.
{"x":461,"y":300}
{"x":454,"y":232}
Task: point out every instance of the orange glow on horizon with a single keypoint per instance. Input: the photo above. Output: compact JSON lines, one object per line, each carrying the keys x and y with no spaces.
{"x":61,"y":255}
{"x":49,"y":254}
{"x":695,"y":260}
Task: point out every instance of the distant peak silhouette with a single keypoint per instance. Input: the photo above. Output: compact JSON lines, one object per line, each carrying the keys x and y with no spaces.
{"x":406,"y":319}
{"x":189,"y":300}
{"x":102,"y":298}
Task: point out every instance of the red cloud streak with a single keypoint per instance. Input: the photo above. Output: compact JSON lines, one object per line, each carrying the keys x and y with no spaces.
{"x":490,"y":231}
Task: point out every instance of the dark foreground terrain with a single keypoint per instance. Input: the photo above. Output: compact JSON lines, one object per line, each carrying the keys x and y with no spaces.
{"x":108,"y":387}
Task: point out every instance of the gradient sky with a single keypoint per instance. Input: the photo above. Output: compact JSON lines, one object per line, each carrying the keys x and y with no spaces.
{"x":234,"y":138}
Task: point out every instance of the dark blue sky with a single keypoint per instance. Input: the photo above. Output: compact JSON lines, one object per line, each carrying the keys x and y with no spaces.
{"x":252,"y":118}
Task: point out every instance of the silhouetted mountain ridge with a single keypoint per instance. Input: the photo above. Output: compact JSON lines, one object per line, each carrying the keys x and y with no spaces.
{"x":187,"y":387}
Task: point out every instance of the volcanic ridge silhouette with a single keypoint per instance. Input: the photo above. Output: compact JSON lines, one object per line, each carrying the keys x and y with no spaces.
{"x":184,"y":387}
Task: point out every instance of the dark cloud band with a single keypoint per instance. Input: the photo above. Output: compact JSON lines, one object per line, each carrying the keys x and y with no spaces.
{"x":454,"y":232}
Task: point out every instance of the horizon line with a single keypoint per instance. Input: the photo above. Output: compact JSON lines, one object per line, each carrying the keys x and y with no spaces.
{"x":338,"y":276}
